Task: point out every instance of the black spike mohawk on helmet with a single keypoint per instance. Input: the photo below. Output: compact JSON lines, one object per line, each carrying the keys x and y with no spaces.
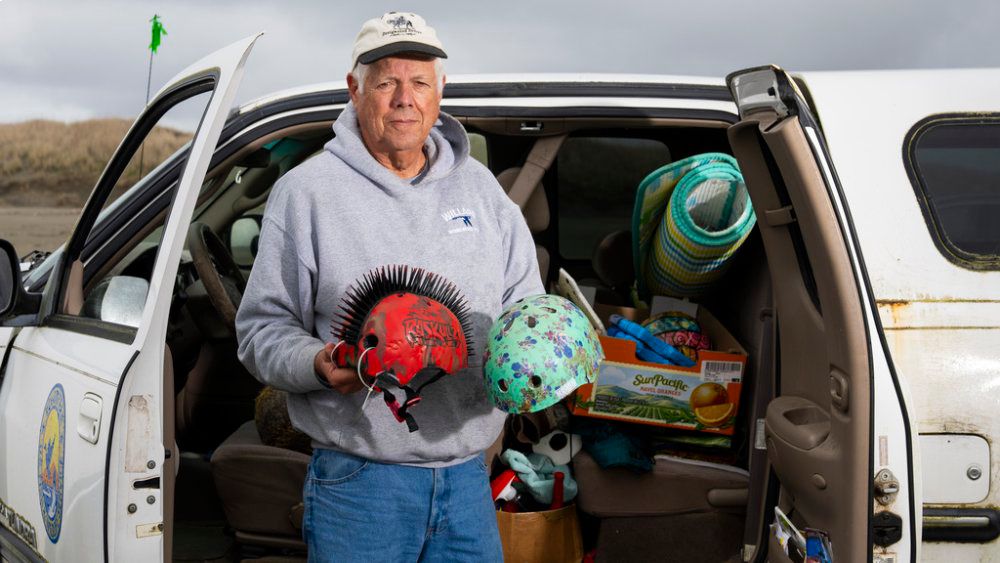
{"x":382,"y":282}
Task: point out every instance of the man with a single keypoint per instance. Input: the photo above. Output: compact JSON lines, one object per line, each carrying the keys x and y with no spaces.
{"x":395,"y":186}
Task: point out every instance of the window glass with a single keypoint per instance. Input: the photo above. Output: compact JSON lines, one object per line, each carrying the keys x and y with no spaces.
{"x":598,"y":177}
{"x":115,"y":291}
{"x":955,"y":167}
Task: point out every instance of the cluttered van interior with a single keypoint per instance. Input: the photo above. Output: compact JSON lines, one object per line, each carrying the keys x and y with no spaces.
{"x":646,"y":224}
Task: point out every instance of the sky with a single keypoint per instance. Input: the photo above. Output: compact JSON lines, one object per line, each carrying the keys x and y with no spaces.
{"x":84,"y":59}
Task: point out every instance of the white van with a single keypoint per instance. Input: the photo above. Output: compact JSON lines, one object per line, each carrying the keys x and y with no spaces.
{"x":867,"y":299}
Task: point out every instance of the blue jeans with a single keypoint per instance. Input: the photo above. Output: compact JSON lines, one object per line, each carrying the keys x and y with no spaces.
{"x":361,"y":510}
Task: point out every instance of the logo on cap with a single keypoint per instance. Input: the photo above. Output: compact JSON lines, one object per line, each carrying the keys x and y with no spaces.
{"x":401,"y":25}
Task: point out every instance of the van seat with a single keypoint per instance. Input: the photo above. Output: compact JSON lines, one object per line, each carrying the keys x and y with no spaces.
{"x":612,"y":261}
{"x":674,"y":486}
{"x":261,"y":489}
{"x":536,"y":215}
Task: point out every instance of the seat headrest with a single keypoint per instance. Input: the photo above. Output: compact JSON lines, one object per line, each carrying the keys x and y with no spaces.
{"x":612,"y":260}
{"x":536,"y":211}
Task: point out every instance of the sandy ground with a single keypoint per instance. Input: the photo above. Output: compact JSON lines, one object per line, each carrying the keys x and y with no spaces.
{"x":36,"y":228}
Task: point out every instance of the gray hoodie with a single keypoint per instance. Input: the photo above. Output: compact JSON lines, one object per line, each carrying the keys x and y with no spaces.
{"x":337,"y":216}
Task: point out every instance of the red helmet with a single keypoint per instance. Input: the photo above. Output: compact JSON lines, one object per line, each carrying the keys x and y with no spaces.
{"x":398,"y":322}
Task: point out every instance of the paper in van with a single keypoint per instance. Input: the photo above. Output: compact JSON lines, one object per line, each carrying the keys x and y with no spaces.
{"x":567,"y":287}
{"x":786,"y":528}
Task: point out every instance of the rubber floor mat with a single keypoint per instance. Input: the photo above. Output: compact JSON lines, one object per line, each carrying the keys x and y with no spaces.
{"x":708,"y":538}
{"x":203,"y":541}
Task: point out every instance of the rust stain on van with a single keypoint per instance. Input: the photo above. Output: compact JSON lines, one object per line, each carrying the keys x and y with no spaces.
{"x":923,"y":298}
{"x":139,"y":433}
{"x":920,"y":314}
{"x":897,"y":310}
{"x":952,"y":425}
{"x":895,"y":313}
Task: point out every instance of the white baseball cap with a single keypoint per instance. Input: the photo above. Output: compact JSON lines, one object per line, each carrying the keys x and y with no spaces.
{"x":393,"y":33}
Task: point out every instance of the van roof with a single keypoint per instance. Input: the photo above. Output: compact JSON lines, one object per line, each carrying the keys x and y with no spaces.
{"x":508,"y":78}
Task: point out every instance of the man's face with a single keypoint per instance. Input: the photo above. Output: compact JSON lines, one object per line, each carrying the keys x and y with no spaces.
{"x":399,"y":105}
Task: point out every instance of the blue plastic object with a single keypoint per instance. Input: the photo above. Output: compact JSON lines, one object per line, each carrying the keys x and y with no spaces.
{"x":651,"y":346}
{"x":641,"y":351}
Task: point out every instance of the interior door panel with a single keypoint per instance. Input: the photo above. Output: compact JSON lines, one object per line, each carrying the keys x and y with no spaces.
{"x":818,"y":426}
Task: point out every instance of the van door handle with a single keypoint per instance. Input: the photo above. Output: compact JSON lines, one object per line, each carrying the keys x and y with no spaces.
{"x":88,"y":426}
{"x":797,"y":422}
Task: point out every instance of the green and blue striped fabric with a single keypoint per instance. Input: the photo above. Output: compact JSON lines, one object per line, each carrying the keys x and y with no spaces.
{"x":690,"y":217}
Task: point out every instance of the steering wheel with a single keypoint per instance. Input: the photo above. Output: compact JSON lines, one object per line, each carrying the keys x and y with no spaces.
{"x":222,"y":278}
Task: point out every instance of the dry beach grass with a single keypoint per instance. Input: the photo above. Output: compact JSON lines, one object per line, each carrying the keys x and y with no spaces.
{"x":48,"y":169}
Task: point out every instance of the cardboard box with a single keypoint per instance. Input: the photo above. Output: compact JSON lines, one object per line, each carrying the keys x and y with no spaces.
{"x":631,"y":390}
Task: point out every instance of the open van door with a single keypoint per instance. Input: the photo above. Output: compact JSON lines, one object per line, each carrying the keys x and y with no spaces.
{"x":837,"y":434}
{"x":87,"y":457}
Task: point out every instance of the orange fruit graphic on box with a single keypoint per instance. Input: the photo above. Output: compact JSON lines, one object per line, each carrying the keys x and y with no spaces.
{"x":715,"y":415}
{"x":708,"y":394}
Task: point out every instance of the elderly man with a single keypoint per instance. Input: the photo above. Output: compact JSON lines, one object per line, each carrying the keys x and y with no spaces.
{"x":395,"y":186}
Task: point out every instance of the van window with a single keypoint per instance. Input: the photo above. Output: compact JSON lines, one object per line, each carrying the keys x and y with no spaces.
{"x":954,"y":165}
{"x":597,"y":178}
{"x":119,"y":296}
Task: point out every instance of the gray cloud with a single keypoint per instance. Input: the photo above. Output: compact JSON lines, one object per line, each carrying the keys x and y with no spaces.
{"x":74,"y":60}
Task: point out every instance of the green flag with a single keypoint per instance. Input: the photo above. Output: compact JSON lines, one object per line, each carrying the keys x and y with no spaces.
{"x":157,"y":31}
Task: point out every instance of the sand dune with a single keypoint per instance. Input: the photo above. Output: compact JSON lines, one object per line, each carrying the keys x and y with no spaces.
{"x":48,"y":168}
{"x":36,"y":228}
{"x":48,"y":163}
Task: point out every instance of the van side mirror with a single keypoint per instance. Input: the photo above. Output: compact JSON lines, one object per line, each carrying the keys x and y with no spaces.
{"x":10,"y":274}
{"x":14,"y":300}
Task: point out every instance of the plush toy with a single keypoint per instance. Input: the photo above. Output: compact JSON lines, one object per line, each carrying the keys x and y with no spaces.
{"x":503,"y":491}
{"x":559,"y":446}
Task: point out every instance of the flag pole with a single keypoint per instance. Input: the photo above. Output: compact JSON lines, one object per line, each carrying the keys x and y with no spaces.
{"x":149,"y":76}
{"x":149,"y":80}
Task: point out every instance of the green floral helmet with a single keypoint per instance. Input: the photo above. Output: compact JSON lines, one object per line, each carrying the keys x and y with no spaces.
{"x":541,"y":349}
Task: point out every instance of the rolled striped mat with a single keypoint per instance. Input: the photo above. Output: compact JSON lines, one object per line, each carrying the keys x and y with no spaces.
{"x":690,"y":217}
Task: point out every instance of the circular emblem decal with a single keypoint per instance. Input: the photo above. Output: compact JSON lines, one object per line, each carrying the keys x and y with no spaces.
{"x":51,"y":450}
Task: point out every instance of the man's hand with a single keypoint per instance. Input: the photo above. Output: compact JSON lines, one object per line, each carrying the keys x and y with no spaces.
{"x":342,"y":380}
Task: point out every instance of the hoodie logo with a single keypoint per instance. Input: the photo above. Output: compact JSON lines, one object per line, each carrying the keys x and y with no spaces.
{"x":460,"y":220}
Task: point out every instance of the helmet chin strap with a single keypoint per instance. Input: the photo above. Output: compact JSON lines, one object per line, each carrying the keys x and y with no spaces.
{"x":386,"y":378}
